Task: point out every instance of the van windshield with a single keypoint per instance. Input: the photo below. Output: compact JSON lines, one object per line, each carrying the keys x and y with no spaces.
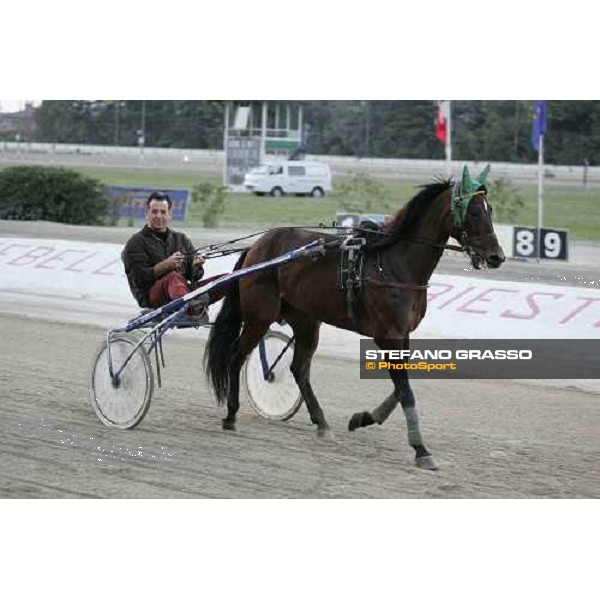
{"x":260,"y":170}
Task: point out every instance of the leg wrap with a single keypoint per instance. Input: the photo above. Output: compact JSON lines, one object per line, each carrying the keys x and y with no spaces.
{"x":412,"y":423}
{"x":384,"y":410}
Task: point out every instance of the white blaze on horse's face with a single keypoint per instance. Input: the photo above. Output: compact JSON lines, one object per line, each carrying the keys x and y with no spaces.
{"x":483,"y":243}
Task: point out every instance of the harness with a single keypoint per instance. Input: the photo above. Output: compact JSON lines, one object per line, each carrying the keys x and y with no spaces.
{"x":351,"y":275}
{"x":352,"y":261}
{"x":352,"y":250}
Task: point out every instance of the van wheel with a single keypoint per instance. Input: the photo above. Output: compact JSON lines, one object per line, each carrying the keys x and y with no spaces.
{"x":317,"y":193}
{"x":277,"y":192}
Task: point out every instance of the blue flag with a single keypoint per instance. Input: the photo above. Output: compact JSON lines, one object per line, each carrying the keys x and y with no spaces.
{"x":540,"y":122}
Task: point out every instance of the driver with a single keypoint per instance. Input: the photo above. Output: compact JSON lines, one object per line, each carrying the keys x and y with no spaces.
{"x":160,"y":263}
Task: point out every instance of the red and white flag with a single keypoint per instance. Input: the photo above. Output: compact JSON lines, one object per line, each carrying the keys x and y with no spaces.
{"x":442,"y":119}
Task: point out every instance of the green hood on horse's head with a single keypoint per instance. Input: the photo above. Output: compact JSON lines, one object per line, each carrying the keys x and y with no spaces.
{"x":469,"y":185}
{"x":464,"y":193}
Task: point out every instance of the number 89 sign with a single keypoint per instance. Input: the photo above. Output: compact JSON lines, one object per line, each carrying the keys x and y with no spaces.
{"x":554,"y":246}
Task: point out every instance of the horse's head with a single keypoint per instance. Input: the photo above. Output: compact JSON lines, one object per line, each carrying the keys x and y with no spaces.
{"x":472,"y":220}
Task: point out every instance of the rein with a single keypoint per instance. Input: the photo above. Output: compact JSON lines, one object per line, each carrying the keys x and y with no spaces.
{"x":452,"y":247}
{"x":457,"y":206}
{"x":215,"y":250}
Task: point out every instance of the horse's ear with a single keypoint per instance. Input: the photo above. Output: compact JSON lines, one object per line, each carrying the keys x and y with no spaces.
{"x":465,"y":183}
{"x":483,"y":175}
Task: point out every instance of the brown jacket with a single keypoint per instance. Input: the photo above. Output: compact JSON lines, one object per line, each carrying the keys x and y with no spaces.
{"x":144,"y":250}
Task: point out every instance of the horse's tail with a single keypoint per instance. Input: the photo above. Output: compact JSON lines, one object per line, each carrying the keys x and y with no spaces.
{"x":223,"y":341}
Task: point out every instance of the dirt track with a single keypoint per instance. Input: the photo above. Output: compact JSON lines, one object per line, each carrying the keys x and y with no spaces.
{"x":491,"y":440}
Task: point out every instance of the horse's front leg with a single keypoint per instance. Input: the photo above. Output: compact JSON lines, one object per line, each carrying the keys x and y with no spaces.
{"x":380,"y":414}
{"x":402,"y":393}
{"x":423,"y":458}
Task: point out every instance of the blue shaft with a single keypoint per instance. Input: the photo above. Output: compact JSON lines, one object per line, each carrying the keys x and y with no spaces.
{"x":312,"y":248}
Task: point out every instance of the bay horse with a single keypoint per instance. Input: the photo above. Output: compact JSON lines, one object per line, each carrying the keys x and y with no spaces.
{"x":392,"y":303}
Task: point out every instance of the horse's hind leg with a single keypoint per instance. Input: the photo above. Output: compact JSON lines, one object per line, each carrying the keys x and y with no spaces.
{"x":249,"y":338}
{"x":306,"y":334}
{"x":256,"y":325}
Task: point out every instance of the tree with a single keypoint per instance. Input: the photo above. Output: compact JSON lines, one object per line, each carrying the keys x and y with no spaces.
{"x":481,"y":130}
{"x":30,"y":193}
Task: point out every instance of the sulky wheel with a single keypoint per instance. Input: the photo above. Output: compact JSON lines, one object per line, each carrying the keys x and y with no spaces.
{"x":273,"y":395}
{"x":125,"y":404}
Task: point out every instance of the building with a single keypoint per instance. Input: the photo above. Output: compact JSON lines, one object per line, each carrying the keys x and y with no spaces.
{"x":18,"y":126}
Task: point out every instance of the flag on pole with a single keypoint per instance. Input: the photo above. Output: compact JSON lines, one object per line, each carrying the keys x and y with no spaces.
{"x":540,"y":122}
{"x":441,"y":120}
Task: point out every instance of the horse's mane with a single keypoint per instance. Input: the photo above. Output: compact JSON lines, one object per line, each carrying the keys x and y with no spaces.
{"x":407,"y":216}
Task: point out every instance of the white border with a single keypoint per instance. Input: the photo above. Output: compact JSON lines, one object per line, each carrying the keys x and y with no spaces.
{"x":298,"y":549}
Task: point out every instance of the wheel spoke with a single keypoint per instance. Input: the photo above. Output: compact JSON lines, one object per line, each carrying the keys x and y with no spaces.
{"x":125,"y":405}
{"x":278,"y":397}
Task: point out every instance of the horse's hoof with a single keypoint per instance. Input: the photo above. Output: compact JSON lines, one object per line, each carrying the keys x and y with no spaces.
{"x":325,"y":434}
{"x":426,"y":462}
{"x":228,"y":425}
{"x":362,"y":419}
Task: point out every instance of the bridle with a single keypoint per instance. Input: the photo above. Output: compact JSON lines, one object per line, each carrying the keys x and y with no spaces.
{"x":459,"y":204}
{"x":458,"y":213}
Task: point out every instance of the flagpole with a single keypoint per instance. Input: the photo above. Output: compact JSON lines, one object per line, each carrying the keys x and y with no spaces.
{"x":449,"y":141}
{"x":540,"y":196}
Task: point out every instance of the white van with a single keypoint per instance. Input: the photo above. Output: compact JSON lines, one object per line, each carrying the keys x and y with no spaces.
{"x":298,"y":177}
